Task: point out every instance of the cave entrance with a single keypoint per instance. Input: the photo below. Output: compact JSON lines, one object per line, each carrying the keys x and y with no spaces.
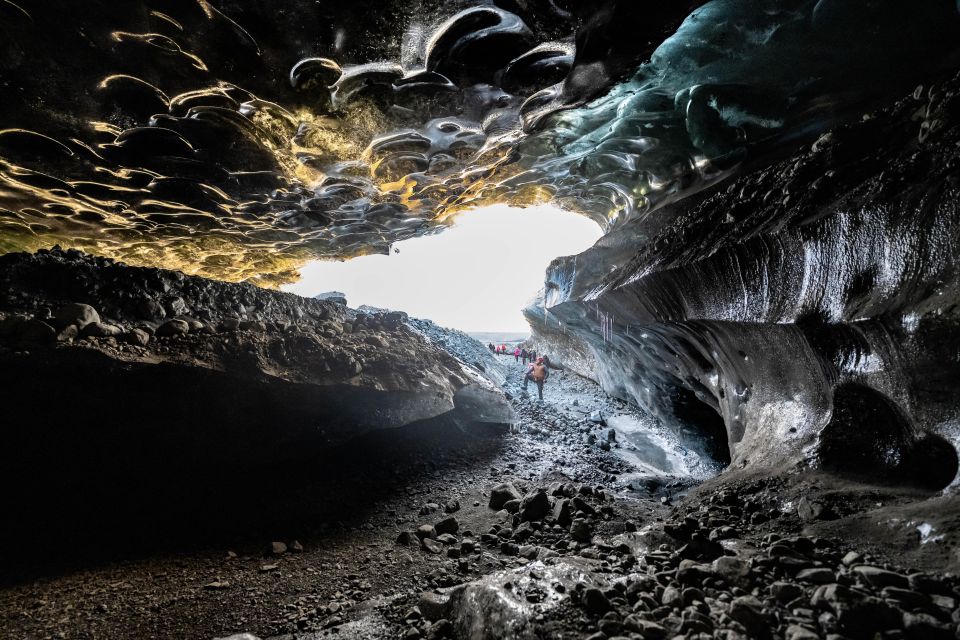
{"x":702,"y":425}
{"x":476,"y":276}
{"x":869,"y":437}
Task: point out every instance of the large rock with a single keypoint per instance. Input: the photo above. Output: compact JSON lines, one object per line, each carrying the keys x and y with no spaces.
{"x":502,"y":494}
{"x":535,"y":506}
{"x":496,"y":606}
{"x":77,"y":314}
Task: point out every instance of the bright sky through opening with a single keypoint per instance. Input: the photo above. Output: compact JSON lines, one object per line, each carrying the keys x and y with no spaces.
{"x":475,"y":276}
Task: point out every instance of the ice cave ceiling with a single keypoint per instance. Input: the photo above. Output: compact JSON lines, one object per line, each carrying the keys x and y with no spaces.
{"x":238,"y":139}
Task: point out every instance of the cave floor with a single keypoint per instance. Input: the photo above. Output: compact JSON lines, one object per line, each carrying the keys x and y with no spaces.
{"x":224,"y":579}
{"x":212,"y":573}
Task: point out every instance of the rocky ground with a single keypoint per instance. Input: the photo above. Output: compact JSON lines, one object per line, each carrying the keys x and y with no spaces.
{"x":585,"y":520}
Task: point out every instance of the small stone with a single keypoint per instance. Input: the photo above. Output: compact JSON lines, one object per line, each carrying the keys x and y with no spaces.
{"x":75,"y":313}
{"x":429,"y":508}
{"x":69,"y":334}
{"x":818,"y":575}
{"x":851,"y":558}
{"x":101,"y":330}
{"x":216,"y":585}
{"x":278,"y":548}
{"x":451,"y":506}
{"x":796,"y":632}
{"x":501,"y":494}
{"x":150,"y":309}
{"x":534,"y":507}
{"x":266,"y":568}
{"x":35,"y":331}
{"x":440,"y":629}
{"x":562,"y":512}
{"x":252,"y":325}
{"x":648,"y":629}
{"x":580,"y":530}
{"x":447,"y":525}
{"x":731,"y":569}
{"x":426,"y":531}
{"x":446,"y":538}
{"x":811,"y":511}
{"x":879,"y":578}
{"x":748,"y":611}
{"x":137,"y":337}
{"x":785,"y":592}
{"x":923,"y":626}
{"x":432,"y":546}
{"x":595,"y":602}
{"x":671,"y":597}
{"x":296,"y":547}
{"x":172,"y":328}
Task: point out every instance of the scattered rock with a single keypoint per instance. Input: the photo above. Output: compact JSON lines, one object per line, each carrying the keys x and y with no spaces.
{"x":503,"y":493}
{"x":432,"y":546}
{"x":172,"y":328}
{"x":447,"y":525}
{"x":426,"y":531}
{"x":534,"y":506}
{"x":76,"y":314}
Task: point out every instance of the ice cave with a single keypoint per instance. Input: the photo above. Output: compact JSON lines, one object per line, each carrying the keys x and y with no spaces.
{"x":728,"y":407}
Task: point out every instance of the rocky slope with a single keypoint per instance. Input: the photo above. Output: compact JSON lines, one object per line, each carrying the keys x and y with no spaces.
{"x":143,"y":381}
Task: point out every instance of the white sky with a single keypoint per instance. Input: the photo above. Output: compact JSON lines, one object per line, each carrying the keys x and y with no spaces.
{"x":475,"y":276}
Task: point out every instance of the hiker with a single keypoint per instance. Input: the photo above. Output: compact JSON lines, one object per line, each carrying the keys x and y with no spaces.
{"x":524,"y":355}
{"x":516,"y":354}
{"x":538,"y":373}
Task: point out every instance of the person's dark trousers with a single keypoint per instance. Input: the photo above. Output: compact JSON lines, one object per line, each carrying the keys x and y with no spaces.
{"x":539,"y":384}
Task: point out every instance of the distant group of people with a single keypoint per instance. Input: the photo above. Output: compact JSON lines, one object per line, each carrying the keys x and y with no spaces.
{"x":537,"y":371}
{"x":517,"y":353}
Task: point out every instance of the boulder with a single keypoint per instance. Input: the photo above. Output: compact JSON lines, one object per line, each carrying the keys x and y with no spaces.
{"x":172,"y":328}
{"x":503,"y":493}
{"x":535,"y":506}
{"x":75,"y":313}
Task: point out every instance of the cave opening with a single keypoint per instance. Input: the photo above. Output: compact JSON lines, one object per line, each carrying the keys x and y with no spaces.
{"x":870,"y":438}
{"x":702,"y":426}
{"x":476,"y":275}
